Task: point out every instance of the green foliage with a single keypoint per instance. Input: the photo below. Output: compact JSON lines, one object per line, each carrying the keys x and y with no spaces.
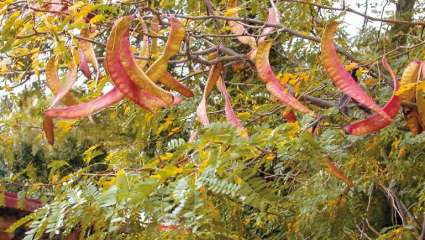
{"x":131,"y":174}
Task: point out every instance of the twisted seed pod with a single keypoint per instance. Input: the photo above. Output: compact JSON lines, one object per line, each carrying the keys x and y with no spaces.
{"x":177,"y":32}
{"x":88,"y":108}
{"x":237,"y":28}
{"x":116,"y":71}
{"x":377,"y":122}
{"x":78,"y":111}
{"x":169,"y":81}
{"x":335,"y":171}
{"x":342,"y":78}
{"x":272,"y":19}
{"x":88,"y":51}
{"x":55,"y":85}
{"x":84,"y":66}
{"x":213,"y":77}
{"x":265,"y":72}
{"x":136,"y":74}
{"x":228,"y":109}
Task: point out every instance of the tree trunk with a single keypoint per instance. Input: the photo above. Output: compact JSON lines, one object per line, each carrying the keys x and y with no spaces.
{"x":404,"y":11}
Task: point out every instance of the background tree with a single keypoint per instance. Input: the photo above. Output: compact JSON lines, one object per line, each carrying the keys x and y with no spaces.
{"x":127,"y":173}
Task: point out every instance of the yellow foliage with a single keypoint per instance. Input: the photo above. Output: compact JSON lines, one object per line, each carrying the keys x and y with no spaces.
{"x":402,"y":153}
{"x":230,"y":12}
{"x":66,"y":126}
{"x":244,"y":115}
{"x":405,"y":90}
{"x":293,"y":129}
{"x":270,"y":157}
{"x":106,"y":183}
{"x":166,"y":156}
{"x":97,"y":18}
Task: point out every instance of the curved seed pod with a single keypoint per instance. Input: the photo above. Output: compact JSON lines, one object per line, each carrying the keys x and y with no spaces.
{"x":55,"y":85}
{"x":175,"y":38}
{"x":71,"y":76}
{"x":230,"y":114}
{"x":78,"y":111}
{"x":342,"y":78}
{"x":408,"y":82}
{"x":213,"y":77}
{"x":136,"y":74}
{"x":376,"y":122}
{"x":237,"y":28}
{"x":88,"y":108}
{"x":420,"y":94}
{"x":177,"y":33}
{"x":88,"y":51}
{"x":48,"y":129}
{"x":335,"y":171}
{"x":84,"y":66}
{"x":121,"y":79}
{"x":265,"y":72}
{"x":169,"y":81}
{"x":117,"y":72}
{"x":272,"y":18}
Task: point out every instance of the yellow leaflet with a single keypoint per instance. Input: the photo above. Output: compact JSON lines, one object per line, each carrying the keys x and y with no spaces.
{"x":239,"y":180}
{"x":166,"y":157}
{"x":421,"y":86}
{"x":205,"y":157}
{"x":66,"y":126}
{"x":77,"y":5}
{"x":35,"y":65}
{"x":293,"y":129}
{"x":75,"y":58}
{"x":420,"y":99}
{"x":168,"y":122}
{"x":350,"y":66}
{"x":121,"y":173}
{"x":270,"y":157}
{"x":8,"y":141}
{"x":231,"y":12}
{"x":82,"y":13}
{"x":244,"y":115}
{"x":174,"y":131}
{"x":405,"y":89}
{"x":97,"y":18}
{"x":107,"y":183}
{"x":166,"y":172}
{"x":54,"y":179}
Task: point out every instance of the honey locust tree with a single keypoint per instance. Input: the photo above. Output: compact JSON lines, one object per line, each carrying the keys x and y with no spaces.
{"x":214,"y":119}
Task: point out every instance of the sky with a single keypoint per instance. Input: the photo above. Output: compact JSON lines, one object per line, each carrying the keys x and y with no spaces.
{"x":353,"y":22}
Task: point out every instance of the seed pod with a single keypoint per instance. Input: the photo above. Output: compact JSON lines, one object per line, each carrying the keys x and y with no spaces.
{"x":342,"y":78}
{"x":377,"y":122}
{"x":266,"y":74}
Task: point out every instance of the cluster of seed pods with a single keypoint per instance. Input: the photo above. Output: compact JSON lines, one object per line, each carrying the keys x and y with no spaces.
{"x":341,"y":78}
{"x":128,"y":77}
{"x":132,"y":82}
{"x":410,"y":79}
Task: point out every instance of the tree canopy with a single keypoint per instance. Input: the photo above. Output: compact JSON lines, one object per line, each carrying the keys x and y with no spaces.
{"x":188,"y":119}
